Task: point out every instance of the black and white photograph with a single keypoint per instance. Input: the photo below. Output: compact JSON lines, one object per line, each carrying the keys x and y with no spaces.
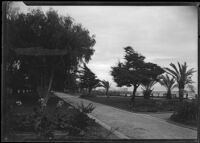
{"x":99,"y":72}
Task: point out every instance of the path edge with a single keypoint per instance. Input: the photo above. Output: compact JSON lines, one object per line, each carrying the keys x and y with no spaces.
{"x":117,"y":133}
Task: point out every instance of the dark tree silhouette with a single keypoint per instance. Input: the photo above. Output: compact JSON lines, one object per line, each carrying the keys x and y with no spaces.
{"x":182,"y":75}
{"x":147,"y":88}
{"x":168,"y":83}
{"x":48,"y":44}
{"x":88,"y":79}
{"x":134,"y":71}
{"x":106,"y":85}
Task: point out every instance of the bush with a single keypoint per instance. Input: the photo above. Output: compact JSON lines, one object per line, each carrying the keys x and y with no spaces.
{"x":80,"y":120}
{"x":28,"y":98}
{"x":63,"y":117}
{"x":86,"y":109}
{"x":168,"y":105}
{"x":74,"y":122}
{"x":186,"y":111}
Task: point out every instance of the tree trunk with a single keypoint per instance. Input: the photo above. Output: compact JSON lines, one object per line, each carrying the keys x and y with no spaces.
{"x":169,"y":95}
{"x":181,"y":93}
{"x":107,"y":93}
{"x":133,"y":95}
{"x":147,"y":94}
{"x":89,"y":91}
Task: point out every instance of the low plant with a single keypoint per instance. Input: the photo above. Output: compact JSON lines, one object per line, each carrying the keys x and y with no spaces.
{"x":74,"y":122}
{"x":85,"y":109}
{"x":79,"y":118}
{"x":186,"y":111}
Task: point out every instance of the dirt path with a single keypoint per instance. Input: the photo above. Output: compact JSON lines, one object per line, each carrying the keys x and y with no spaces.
{"x":133,"y":125}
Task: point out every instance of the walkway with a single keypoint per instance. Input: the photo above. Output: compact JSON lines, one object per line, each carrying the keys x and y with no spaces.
{"x":133,"y":125}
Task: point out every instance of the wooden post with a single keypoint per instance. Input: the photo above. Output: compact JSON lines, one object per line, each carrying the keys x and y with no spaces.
{"x":48,"y":90}
{"x":50,"y":85}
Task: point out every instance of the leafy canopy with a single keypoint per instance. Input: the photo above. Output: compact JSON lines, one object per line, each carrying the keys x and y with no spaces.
{"x":88,"y":79}
{"x":167,"y":82}
{"x":105,"y":84}
{"x":135,"y":70}
{"x":181,"y":74}
{"x":49,"y":30}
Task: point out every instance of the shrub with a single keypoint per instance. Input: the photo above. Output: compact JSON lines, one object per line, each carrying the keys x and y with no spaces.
{"x":80,"y":120}
{"x":85,"y":109}
{"x":168,"y":105}
{"x":59,"y":116}
{"x":186,"y":111}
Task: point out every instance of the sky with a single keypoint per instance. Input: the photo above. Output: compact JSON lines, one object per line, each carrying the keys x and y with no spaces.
{"x":163,"y":34}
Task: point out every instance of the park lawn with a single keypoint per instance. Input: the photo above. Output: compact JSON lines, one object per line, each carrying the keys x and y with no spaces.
{"x":115,"y":101}
{"x":141,"y":104}
{"x":95,"y":131}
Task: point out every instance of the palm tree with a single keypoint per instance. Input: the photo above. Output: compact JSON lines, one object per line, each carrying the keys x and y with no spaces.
{"x":106,"y":85}
{"x":147,"y":88}
{"x":168,"y":83}
{"x":182,"y":76}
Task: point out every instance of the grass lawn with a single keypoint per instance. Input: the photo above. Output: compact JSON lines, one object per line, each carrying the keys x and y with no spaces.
{"x":115,"y":101}
{"x":141,"y":105}
{"x":94,"y":131}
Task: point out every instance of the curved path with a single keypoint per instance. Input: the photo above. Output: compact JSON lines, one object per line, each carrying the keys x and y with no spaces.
{"x":133,"y":125}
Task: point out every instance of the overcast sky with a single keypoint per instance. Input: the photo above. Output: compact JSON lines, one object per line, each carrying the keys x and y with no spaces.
{"x":163,"y":34}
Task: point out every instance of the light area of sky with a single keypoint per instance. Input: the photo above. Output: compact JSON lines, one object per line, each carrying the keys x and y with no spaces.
{"x":163,"y":34}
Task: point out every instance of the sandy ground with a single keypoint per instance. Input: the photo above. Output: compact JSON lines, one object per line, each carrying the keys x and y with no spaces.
{"x":134,"y":125}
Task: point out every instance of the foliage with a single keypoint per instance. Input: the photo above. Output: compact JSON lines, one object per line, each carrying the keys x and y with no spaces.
{"x":35,"y":122}
{"x":186,"y":111}
{"x":86,"y":109}
{"x":147,"y":88}
{"x":70,"y":120}
{"x":39,"y":30}
{"x":134,"y":71}
{"x":88,"y":79}
{"x":80,"y":120}
{"x":182,"y":76}
{"x":36,"y":29}
{"x":168,"y":83}
{"x":106,"y":85}
{"x":49,"y":30}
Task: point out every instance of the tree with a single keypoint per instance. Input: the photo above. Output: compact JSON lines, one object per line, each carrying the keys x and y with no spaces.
{"x":147,"y":88}
{"x":168,"y":83}
{"x":134,"y":71}
{"x":88,"y":79}
{"x":106,"y":85}
{"x":182,"y":76}
{"x":47,"y":32}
